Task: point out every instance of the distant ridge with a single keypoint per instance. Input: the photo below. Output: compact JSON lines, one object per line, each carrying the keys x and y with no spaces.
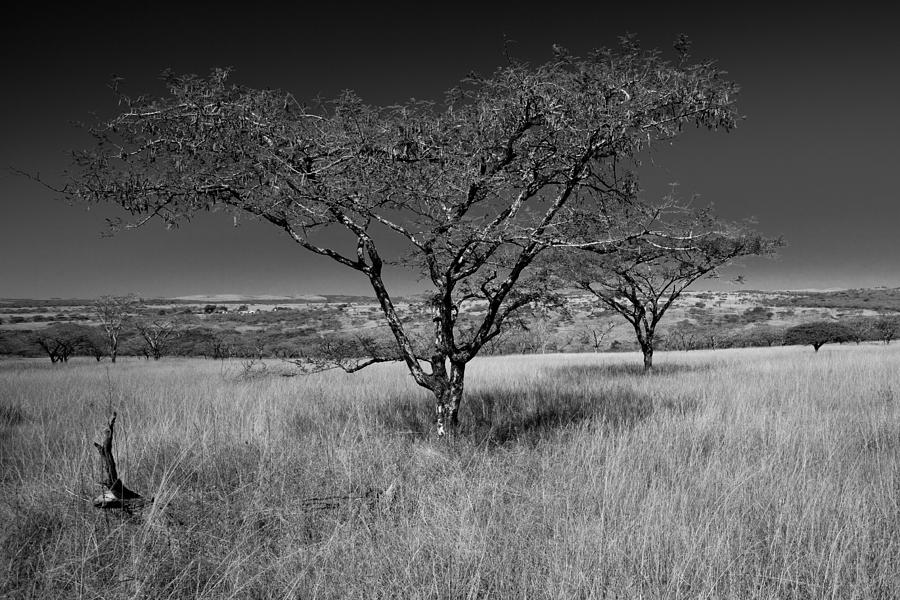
{"x":269,"y":298}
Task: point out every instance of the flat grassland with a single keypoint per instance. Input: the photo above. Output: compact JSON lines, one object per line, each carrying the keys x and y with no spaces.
{"x":757,"y":473}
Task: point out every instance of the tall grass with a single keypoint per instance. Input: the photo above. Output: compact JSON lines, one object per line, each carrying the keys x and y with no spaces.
{"x":740,"y":474}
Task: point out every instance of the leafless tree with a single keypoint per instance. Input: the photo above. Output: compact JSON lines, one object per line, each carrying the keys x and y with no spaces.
{"x":156,"y":333}
{"x":681,"y":338}
{"x":538,"y":328}
{"x":596,"y":334}
{"x":471,"y":190}
{"x":113,"y":313}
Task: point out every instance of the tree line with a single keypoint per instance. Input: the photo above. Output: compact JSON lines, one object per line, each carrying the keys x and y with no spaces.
{"x":153,"y":336}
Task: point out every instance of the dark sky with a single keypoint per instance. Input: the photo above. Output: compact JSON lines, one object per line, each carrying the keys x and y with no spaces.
{"x":815,"y":160}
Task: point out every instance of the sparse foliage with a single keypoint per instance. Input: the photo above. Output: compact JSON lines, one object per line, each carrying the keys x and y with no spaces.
{"x":472,"y":191}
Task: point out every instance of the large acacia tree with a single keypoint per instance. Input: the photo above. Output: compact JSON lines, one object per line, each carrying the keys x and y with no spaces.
{"x":475,"y":188}
{"x":644,"y":276}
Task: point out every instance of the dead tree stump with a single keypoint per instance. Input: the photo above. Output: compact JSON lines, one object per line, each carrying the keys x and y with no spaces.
{"x":116,"y":494}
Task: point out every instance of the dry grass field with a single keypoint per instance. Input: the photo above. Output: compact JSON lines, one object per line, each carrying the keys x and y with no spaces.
{"x":759,"y":473}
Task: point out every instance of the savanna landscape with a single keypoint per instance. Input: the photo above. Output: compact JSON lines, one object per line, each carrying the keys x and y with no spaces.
{"x":742,"y":473}
{"x":376,"y":313}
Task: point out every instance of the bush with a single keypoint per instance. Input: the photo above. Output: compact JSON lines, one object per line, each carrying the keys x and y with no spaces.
{"x":886,"y":328}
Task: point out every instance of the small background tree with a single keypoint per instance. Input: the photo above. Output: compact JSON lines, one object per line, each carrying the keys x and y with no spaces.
{"x":761,"y":335}
{"x":641,"y":280}
{"x":113,"y":312}
{"x":818,"y":333}
{"x":94,"y":343}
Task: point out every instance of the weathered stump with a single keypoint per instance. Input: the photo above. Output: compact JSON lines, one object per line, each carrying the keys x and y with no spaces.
{"x":116,"y":494}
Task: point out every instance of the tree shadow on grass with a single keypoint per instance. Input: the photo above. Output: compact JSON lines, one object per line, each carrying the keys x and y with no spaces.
{"x":622,"y":369}
{"x":498,"y":417}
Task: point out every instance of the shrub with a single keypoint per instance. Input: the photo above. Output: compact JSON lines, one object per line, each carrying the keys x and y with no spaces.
{"x":886,"y":328}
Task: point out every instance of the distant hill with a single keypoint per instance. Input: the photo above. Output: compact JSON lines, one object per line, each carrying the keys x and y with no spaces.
{"x":270,"y":299}
{"x":290,"y":322}
{"x":866,"y":298}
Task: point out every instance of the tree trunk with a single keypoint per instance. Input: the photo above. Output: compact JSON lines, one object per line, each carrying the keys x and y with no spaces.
{"x":645,"y":341}
{"x":648,"y":357}
{"x":449,"y":398}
